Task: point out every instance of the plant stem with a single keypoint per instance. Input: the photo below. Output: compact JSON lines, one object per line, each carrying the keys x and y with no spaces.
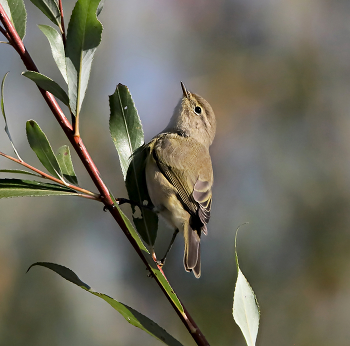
{"x":84,"y":156}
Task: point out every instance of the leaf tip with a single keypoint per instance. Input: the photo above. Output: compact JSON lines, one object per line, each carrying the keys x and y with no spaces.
{"x":31,"y":122}
{"x":32,"y":265}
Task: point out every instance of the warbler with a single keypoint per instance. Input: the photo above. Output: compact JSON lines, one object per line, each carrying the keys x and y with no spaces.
{"x":179,"y":173}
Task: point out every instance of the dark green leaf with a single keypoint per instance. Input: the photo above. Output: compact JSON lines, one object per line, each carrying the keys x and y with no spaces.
{"x":57,"y":48}
{"x":42,"y":148}
{"x":124,"y":125}
{"x":4,"y":115}
{"x":170,"y":292}
{"x":47,"y":84}
{"x":65,"y":272}
{"x":83,"y":37}
{"x":65,"y":161}
{"x":245,"y":311}
{"x":127,"y":134}
{"x":16,"y":11}
{"x":132,"y":231}
{"x":50,"y":9}
{"x":130,"y":227}
{"x":19,"y":171}
{"x":132,"y":316}
{"x":146,"y":221}
{"x":30,"y":188}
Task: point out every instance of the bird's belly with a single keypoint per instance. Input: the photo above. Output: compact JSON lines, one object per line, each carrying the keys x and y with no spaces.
{"x":164,"y":197}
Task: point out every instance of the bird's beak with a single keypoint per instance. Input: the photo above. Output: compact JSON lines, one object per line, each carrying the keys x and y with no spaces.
{"x":184,"y":90}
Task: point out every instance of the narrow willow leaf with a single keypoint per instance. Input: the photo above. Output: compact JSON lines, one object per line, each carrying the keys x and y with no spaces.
{"x":132,"y":316}
{"x":65,"y":161}
{"x":19,"y":171}
{"x":83,"y":37}
{"x":168,"y":289}
{"x":57,"y":48}
{"x":17,"y":13}
{"x":132,"y":231}
{"x":130,"y":227}
{"x":124,"y":125}
{"x":246,"y":311}
{"x":47,"y":84}
{"x":4,"y":115}
{"x":42,"y":148}
{"x":31,"y":188}
{"x":127,"y":134}
{"x":50,"y":9}
{"x":170,"y":292}
{"x":147,"y":221}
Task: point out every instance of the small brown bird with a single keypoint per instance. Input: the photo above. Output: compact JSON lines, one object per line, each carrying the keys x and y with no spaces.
{"x":179,"y":173}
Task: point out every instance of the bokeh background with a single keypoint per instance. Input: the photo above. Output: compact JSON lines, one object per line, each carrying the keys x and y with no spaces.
{"x":277,"y":74}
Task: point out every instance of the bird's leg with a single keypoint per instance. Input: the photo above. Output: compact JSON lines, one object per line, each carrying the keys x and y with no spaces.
{"x":162,"y":261}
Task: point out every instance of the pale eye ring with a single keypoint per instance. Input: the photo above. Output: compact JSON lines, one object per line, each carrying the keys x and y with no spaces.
{"x":198,"y":110}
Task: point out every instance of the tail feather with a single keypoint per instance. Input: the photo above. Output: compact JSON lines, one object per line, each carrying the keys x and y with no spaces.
{"x":197,"y":268}
{"x":192,"y":251}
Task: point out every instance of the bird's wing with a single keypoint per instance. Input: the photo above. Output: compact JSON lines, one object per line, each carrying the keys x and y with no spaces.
{"x":203,"y":196}
{"x":187,"y":165}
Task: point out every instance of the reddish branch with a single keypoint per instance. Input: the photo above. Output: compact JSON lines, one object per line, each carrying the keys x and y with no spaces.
{"x":83,"y":154}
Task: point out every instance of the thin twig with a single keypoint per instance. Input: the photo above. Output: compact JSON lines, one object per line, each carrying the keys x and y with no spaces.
{"x":83,"y":154}
{"x":50,"y":177}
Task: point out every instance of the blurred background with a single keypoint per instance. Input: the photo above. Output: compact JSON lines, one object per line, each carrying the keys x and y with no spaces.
{"x":277,"y":74}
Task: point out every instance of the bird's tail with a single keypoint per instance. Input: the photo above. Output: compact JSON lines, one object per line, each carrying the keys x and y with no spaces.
{"x":192,"y":256}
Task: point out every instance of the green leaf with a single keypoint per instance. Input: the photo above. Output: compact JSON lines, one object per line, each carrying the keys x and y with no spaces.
{"x":57,"y":48}
{"x":47,"y":84}
{"x":124,"y":125}
{"x":83,"y":37}
{"x":132,"y":231}
{"x":65,"y":161}
{"x":50,"y":9}
{"x":127,"y":134}
{"x":246,"y":311}
{"x":19,"y":171}
{"x":170,"y":292}
{"x":132,"y":316}
{"x":42,"y":148}
{"x":147,"y":221}
{"x":17,"y":13}
{"x":130,"y":227}
{"x":4,"y":115}
{"x":168,"y":289}
{"x":31,"y":188}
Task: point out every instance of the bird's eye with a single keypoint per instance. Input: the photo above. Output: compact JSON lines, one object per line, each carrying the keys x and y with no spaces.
{"x":198,"y":110}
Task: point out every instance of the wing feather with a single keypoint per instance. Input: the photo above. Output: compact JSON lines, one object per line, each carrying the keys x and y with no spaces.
{"x":187,"y":166}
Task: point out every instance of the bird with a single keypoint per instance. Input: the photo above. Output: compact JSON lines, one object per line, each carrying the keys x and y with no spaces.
{"x":179,"y":173}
